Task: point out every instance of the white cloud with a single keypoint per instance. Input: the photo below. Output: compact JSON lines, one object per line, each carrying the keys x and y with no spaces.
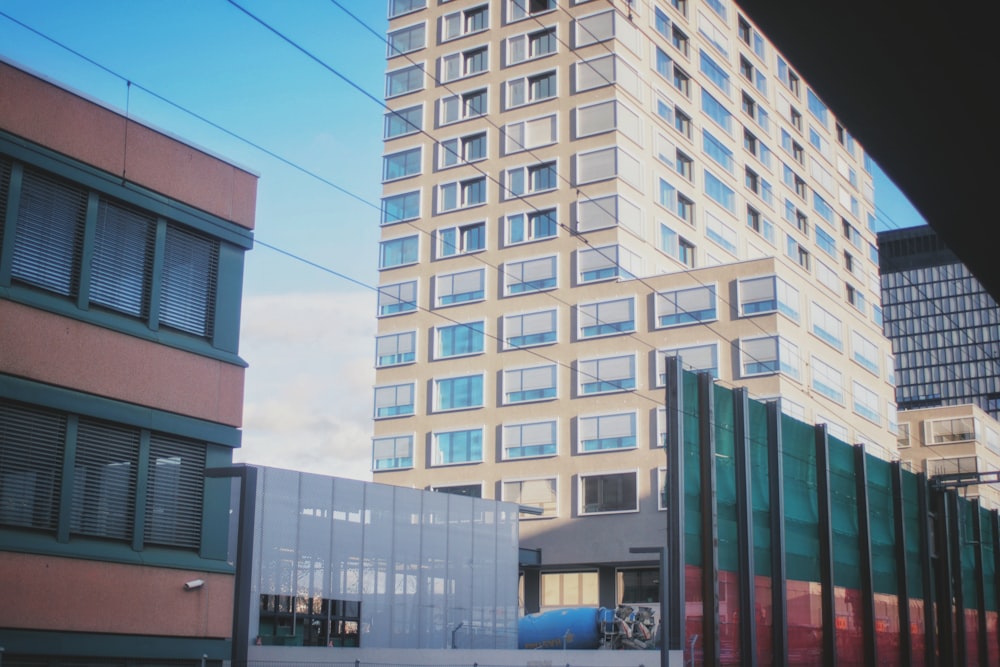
{"x":308,"y":388}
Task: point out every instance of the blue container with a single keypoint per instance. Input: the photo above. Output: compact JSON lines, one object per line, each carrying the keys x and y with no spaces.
{"x":573,"y":628}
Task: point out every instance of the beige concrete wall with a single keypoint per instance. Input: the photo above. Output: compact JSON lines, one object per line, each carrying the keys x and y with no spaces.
{"x":60,"y":351}
{"x":58,"y":119}
{"x":64,"y":594}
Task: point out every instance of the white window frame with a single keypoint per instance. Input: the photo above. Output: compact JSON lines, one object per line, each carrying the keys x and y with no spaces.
{"x":669,"y":298}
{"x":527,"y":220}
{"x":526,"y":134}
{"x":625,"y":423}
{"x":523,"y":87}
{"x":581,"y":492}
{"x":455,"y":66}
{"x":394,"y":396}
{"x":616,"y":372}
{"x":679,"y":350}
{"x":550,"y":425}
{"x":417,"y":68}
{"x":392,"y":344}
{"x":544,"y":378}
{"x":535,"y":320}
{"x":442,"y":279}
{"x":463,"y":21}
{"x":460,"y":233}
{"x":513,"y":274}
{"x":461,"y":194}
{"x":392,"y":53}
{"x":462,"y":107}
{"x":453,"y":151}
{"x":397,"y":292}
{"x":596,"y":313}
{"x":519,"y":181}
{"x":550,"y":508}
{"x":512,"y":47}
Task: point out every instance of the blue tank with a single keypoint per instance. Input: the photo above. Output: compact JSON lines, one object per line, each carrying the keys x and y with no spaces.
{"x":572,"y":628}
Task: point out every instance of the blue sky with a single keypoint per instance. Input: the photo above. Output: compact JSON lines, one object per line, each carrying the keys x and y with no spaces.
{"x":307,"y":333}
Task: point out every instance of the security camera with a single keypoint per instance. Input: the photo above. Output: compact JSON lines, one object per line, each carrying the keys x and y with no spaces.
{"x":193,"y":584}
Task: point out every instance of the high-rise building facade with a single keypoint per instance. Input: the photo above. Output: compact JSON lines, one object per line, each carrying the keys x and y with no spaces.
{"x":573,"y":191}
{"x":121,"y":387}
{"x":943,"y":325}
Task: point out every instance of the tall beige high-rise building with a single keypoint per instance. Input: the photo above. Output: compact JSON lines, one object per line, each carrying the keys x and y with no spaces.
{"x":574,"y":189}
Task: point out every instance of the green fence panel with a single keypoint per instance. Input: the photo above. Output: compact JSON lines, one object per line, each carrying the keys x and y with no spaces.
{"x":881,"y":518}
{"x":914,"y":526}
{"x":725,"y":479}
{"x":844,"y":516}
{"x":969,"y":548}
{"x":801,"y":509}
{"x":692,"y":471}
{"x":760,"y":479}
{"x":989,"y":560}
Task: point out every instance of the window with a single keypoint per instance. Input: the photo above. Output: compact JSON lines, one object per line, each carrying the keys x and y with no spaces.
{"x":866,"y":403}
{"x":530,"y":275}
{"x":950,"y":431}
{"x":685,"y":209}
{"x":661,"y":22}
{"x":604,"y":432}
{"x":718,"y":6}
{"x":540,"y":493}
{"x":398,"y":252}
{"x":460,"y":287}
{"x":676,"y":246}
{"x":720,"y":233}
{"x":686,"y":306}
{"x":463,"y":106}
{"x":402,"y":164}
{"x":827,"y":326}
{"x":529,"y":46}
{"x":682,"y":123}
{"x":528,"y":134}
{"x":603,"y":71}
{"x":760,"y":224}
{"x":716,"y":111}
{"x":827,"y":380}
{"x":695,"y":358}
{"x":606,"y":375}
{"x":523,"y":385}
{"x":459,"y":340}
{"x":788,"y":77}
{"x":395,"y":349}
{"x":519,"y":9}
{"x":394,"y":400}
{"x":607,"y":211}
{"x":529,"y":180}
{"x":716,"y":36}
{"x":470,"y":148}
{"x":595,"y":28}
{"x":612,"y":492}
{"x":798,"y":253}
{"x":458,"y":393}
{"x":404,"y":80}
{"x":525,"y":227}
{"x":767,"y":294}
{"x":521,"y":441}
{"x":767,"y":355}
{"x":605,"y":163}
{"x":606,"y":318}
{"x":855,"y":297}
{"x":680,"y":40}
{"x":605,"y":263}
{"x":680,"y":6}
{"x":682,"y":81}
{"x":826,"y":242}
{"x":530,"y":89}
{"x":400,"y":7}
{"x":529,"y":329}
{"x":397,"y":298}
{"x":466,"y":22}
{"x":406,"y":40}
{"x":569,"y":589}
{"x":461,"y":194}
{"x":714,"y":72}
{"x":605,"y":116}
{"x":822,"y":207}
{"x":796,"y":217}
{"x":462,"y":239}
{"x":454,"y":447}
{"x":816,"y":107}
{"x":401,"y":207}
{"x":467,"y":63}
{"x":717,"y":150}
{"x":684,"y":165}
{"x":402,"y":122}
{"x":796,"y":118}
{"x":864,"y":351}
{"x":392,"y":453}
{"x":719,"y":192}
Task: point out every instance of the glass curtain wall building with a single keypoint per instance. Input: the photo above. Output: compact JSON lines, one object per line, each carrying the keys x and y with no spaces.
{"x":944,"y":326}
